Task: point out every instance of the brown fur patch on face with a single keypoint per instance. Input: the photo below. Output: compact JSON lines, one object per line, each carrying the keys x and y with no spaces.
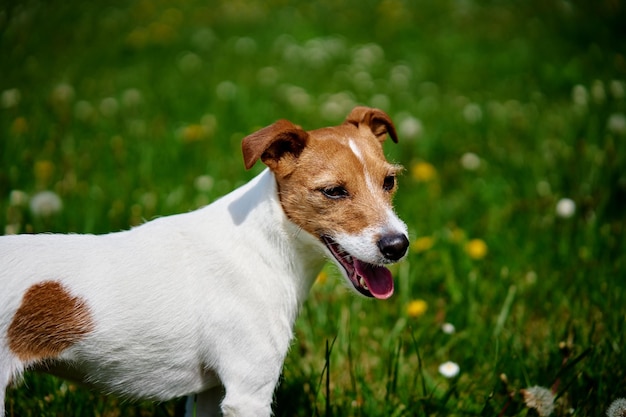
{"x":328,"y":161}
{"x":48,"y":321}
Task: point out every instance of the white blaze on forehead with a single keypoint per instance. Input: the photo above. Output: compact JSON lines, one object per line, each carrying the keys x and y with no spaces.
{"x":357,"y":152}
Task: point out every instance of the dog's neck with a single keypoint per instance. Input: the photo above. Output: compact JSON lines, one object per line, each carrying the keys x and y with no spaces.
{"x":301,"y":254}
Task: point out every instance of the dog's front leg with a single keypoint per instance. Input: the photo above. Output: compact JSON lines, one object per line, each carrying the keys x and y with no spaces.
{"x":249,"y":387}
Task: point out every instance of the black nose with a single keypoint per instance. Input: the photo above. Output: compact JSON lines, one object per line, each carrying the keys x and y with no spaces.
{"x":393,"y":246}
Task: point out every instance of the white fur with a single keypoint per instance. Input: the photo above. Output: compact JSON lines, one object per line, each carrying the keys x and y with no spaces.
{"x":218,"y":288}
{"x":364,"y":243}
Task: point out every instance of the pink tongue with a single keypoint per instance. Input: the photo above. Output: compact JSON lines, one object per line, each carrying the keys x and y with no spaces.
{"x":378,"y":279}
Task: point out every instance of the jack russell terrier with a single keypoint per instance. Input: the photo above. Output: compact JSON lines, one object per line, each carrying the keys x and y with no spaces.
{"x":203,"y":303}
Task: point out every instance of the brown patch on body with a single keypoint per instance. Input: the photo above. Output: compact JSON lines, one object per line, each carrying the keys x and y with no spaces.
{"x":48,"y":321}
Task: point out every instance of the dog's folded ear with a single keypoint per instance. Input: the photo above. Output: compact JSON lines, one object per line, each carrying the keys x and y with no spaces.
{"x":377,"y":120}
{"x":277,"y":145}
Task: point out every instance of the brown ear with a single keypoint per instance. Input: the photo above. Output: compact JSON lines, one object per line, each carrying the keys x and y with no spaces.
{"x":377,"y":120}
{"x":279,"y":143}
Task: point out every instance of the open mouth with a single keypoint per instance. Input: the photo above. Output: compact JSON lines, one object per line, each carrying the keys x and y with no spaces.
{"x":368,"y":279}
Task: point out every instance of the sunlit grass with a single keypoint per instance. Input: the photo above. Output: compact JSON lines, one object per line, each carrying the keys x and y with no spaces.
{"x":512,"y":125}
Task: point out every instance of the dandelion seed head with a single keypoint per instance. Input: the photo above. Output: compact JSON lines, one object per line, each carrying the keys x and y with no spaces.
{"x":472,"y":113}
{"x":380,"y":101}
{"x":616,"y":123}
{"x":63,"y":93}
{"x":204,"y":183}
{"x":109,"y":107}
{"x":298,"y":97}
{"x":617,"y":89}
{"x":267,"y":76}
{"x":470,"y":161}
{"x":226,"y":90}
{"x":45,"y":204}
{"x":83,"y":110}
{"x":617,"y":408}
{"x":10,"y":98}
{"x":410,"y":128}
{"x":131,"y":97}
{"x":539,"y":398}
{"x":189,"y":63}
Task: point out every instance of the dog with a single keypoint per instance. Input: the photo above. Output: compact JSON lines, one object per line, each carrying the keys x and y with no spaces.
{"x":203,"y":304}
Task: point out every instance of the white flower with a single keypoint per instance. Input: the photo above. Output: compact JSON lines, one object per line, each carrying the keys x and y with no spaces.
{"x":539,"y":398}
{"x":108,"y":107}
{"x":63,"y":93}
{"x":580,"y":95}
{"x":267,"y":76}
{"x":226,"y":90}
{"x":189,"y":63}
{"x":543,"y":188}
{"x":410,"y":128}
{"x":449,"y":369}
{"x":617,"y":408}
{"x":18,"y":198}
{"x":203,"y":183}
{"x":380,"y":101}
{"x":617,"y":123}
{"x":45,"y":204}
{"x":245,"y":46}
{"x":337,"y":105}
{"x":131,"y":97}
{"x":597,"y":91}
{"x":565,"y":208}
{"x":10,"y":98}
{"x":448,"y":328}
{"x":617,"y":89}
{"x":298,"y":97}
{"x":83,"y":110}
{"x":368,"y":55}
{"x":472,"y":113}
{"x":400,"y":76}
{"x":470,"y":161}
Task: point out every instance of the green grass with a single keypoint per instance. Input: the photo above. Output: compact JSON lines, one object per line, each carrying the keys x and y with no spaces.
{"x":131,"y":110}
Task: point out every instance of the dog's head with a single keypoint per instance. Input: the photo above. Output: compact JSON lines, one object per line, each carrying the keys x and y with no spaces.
{"x":336,"y":184}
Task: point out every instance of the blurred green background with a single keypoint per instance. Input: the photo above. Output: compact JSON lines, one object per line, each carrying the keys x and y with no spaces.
{"x":512,"y":125}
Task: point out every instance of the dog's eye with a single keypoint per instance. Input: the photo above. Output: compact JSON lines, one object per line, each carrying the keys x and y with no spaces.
{"x":335,"y":193}
{"x":389,"y":183}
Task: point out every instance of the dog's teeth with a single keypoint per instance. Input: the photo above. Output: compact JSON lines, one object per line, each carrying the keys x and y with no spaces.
{"x":363,"y":284}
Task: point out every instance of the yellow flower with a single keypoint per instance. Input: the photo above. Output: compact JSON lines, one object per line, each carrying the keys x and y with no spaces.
{"x":321,"y":278}
{"x":423,"y":171}
{"x":43,"y":170}
{"x":193,"y":133}
{"x":417,"y":308}
{"x":422,"y":244}
{"x":456,"y":234}
{"x":476,"y":249}
{"x":19,"y":126}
